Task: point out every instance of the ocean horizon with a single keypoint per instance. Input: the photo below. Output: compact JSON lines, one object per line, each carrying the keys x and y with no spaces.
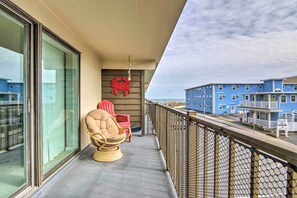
{"x":167,"y":100}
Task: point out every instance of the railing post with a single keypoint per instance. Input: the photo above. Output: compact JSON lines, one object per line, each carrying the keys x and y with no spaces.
{"x":232,"y":168}
{"x":167,"y":139}
{"x":189,"y":113}
{"x":292,"y":182}
{"x":254,"y":174}
{"x":205,"y":171}
{"x":216,"y":165}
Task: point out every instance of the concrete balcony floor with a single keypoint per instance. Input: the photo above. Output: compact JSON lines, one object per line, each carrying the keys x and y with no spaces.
{"x":139,"y":173}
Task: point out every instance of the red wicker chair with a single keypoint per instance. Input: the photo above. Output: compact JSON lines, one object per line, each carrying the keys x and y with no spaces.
{"x":122,"y":119}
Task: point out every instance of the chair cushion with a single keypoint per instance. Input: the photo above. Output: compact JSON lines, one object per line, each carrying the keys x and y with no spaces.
{"x":99,"y":121}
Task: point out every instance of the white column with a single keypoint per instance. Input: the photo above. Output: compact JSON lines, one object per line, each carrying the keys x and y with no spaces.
{"x":269,"y":120}
{"x":269,"y":100}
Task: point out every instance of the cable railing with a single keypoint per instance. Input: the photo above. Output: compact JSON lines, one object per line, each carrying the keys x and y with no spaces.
{"x":206,"y":158}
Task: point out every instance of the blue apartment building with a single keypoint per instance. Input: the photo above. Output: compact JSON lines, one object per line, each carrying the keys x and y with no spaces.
{"x":259,"y":103}
{"x":10,"y":92}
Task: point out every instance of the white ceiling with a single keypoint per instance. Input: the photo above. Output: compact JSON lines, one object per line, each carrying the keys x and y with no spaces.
{"x":118,"y":28}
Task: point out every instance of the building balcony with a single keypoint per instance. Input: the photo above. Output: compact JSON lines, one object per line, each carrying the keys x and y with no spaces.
{"x":259,"y":104}
{"x":263,"y":123}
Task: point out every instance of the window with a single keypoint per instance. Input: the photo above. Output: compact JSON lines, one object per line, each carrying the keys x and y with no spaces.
{"x":247,"y":97}
{"x":233,"y":97}
{"x":220,"y":87}
{"x":247,"y":87}
{"x":293,"y":98}
{"x":295,"y":87}
{"x":265,"y":98}
{"x":60,"y":101}
{"x":283,"y":99}
{"x":220,"y":107}
{"x":209,"y":97}
{"x":233,"y":87}
{"x":254,"y":98}
{"x":220,"y":97}
{"x":232,"y":108}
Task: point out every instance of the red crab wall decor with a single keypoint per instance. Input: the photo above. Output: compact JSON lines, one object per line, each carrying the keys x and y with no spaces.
{"x":120,"y":84}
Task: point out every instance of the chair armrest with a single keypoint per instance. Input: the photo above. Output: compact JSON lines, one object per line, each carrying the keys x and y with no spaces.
{"x":98,"y":140}
{"x":126,"y":130}
{"x":122,"y":118}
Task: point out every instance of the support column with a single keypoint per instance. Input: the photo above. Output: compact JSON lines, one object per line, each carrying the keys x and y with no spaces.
{"x":269,"y":101}
{"x":269,"y":120}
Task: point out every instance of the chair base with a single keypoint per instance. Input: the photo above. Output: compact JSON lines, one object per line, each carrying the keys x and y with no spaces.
{"x":108,"y":155}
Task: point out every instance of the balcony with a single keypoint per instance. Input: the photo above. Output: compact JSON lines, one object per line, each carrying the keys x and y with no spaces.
{"x":203,"y":158}
{"x":259,"y":104}
{"x":262,"y":123}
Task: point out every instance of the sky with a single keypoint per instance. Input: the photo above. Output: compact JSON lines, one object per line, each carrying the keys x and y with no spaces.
{"x":227,"y":41}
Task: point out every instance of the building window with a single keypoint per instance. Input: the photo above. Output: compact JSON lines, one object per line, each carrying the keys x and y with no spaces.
{"x":232,"y":108}
{"x":247,"y":97}
{"x":283,"y":99}
{"x":254,"y":98}
{"x":209,"y":97}
{"x":220,"y":107}
{"x":220,"y":87}
{"x":220,"y":97}
{"x":233,"y":97}
{"x":233,"y":87}
{"x":247,"y":87}
{"x":293,"y":98}
{"x":295,"y":87}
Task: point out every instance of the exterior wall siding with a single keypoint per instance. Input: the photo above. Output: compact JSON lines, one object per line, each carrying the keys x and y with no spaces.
{"x":131,"y":104}
{"x":268,"y":86}
{"x":278,"y":85}
{"x":290,"y":87}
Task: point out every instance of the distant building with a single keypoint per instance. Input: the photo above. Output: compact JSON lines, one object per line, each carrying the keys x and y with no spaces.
{"x":10,"y":92}
{"x":260,"y":103}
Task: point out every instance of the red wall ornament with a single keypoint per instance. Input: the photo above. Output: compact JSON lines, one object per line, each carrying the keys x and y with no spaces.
{"x":120,"y":84}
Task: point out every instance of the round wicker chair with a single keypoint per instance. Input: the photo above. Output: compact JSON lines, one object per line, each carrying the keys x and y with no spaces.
{"x":106,"y":134}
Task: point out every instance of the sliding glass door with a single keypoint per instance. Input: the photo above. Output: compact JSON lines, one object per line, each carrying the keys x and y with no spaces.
{"x":14,"y":42}
{"x":52,"y":138}
{"x":60,"y":102}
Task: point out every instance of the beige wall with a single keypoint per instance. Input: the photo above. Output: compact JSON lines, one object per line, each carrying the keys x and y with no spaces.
{"x":90,"y":63}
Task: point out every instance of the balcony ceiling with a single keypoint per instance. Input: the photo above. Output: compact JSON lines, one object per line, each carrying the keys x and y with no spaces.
{"x":118,"y":28}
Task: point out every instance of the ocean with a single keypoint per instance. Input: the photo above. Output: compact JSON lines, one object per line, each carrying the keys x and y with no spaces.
{"x":167,"y":100}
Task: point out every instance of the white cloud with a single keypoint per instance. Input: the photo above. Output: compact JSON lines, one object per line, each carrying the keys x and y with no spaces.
{"x":228,"y":41}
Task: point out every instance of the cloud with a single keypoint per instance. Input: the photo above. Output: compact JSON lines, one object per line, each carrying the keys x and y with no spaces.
{"x":228,"y":41}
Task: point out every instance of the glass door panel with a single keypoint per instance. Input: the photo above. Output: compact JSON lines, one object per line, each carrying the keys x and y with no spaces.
{"x":13,"y":65}
{"x":60,"y":102}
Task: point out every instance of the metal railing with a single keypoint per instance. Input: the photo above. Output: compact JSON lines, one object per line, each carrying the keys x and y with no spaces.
{"x":206,"y":158}
{"x":259,"y":104}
